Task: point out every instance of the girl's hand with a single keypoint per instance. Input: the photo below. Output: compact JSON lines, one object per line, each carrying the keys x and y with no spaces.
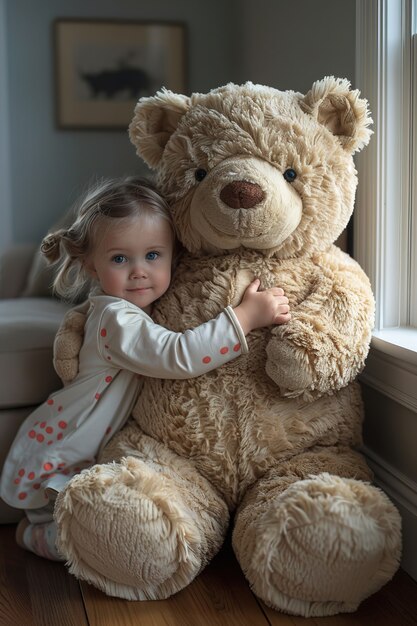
{"x":262,"y":308}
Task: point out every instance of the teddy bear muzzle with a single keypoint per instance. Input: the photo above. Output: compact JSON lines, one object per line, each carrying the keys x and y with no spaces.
{"x":245,"y":201}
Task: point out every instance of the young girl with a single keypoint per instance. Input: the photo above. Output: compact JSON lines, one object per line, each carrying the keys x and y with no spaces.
{"x":123,"y":238}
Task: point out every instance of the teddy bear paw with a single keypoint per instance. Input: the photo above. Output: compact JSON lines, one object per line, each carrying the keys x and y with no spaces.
{"x":67,"y":345}
{"x":123,"y":529}
{"x":323,"y":546}
{"x":288,"y":367}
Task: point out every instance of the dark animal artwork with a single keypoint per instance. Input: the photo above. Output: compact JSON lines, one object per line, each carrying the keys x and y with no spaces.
{"x":110,"y":83}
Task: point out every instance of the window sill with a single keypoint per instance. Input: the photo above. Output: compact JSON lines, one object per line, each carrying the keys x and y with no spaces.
{"x":391,"y":366}
{"x":400,"y":343}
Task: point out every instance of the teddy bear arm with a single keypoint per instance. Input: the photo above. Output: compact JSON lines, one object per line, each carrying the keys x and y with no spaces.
{"x":325,"y":344}
{"x":68,"y":342}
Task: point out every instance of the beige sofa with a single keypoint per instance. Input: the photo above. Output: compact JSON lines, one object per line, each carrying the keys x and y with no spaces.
{"x":29,"y":319}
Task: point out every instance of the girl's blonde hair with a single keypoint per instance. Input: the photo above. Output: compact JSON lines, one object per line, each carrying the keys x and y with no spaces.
{"x":120,"y":199}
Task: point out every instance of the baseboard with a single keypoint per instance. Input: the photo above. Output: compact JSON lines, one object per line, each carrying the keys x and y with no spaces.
{"x":403,"y":492}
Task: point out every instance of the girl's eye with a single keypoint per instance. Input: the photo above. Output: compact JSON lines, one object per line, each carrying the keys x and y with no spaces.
{"x":119,"y":258}
{"x":152,"y":256}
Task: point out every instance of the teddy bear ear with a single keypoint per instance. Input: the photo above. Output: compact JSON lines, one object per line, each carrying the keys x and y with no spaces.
{"x":154,"y":120}
{"x":339,"y":108}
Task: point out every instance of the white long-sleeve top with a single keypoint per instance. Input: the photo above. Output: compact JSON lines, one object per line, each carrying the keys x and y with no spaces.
{"x":65,"y":433}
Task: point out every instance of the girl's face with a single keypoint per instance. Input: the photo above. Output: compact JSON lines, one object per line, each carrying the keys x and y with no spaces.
{"x":133,"y":260}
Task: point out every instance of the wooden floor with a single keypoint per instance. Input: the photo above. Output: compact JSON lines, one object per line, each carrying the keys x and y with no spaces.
{"x":36,"y":592}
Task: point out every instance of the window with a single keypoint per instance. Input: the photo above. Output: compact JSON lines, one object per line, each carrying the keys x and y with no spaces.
{"x":385,"y":223}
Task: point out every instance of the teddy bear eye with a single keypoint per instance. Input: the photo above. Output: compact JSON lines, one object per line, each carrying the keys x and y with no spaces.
{"x":200,"y":174}
{"x":290,"y":175}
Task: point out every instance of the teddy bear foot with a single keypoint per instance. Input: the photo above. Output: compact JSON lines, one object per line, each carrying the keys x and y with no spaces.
{"x":124,"y":528}
{"x":321,"y":547}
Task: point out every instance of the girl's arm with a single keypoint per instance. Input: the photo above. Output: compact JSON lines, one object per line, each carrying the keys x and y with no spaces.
{"x":129,"y":339}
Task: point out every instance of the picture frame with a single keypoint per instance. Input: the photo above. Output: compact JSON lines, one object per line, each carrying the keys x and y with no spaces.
{"x":103,"y":67}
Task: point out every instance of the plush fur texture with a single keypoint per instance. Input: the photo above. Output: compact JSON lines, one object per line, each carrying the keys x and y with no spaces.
{"x":271,"y":436}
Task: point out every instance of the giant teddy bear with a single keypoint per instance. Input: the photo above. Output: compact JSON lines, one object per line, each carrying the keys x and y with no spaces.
{"x":260,"y":183}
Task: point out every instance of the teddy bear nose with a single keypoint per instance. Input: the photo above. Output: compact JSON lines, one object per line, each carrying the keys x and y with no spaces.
{"x":242,"y":195}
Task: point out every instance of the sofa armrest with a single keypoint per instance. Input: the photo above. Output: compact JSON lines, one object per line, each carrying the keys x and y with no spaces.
{"x":15,"y":264}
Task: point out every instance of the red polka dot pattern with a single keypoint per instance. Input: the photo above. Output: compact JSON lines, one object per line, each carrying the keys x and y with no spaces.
{"x":237,"y":347}
{"x":224,"y":350}
{"x":108,"y":379}
{"x":206,"y":359}
{"x":103,"y":332}
{"x":50,"y":402}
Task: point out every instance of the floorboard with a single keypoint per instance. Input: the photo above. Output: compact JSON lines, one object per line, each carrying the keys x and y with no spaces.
{"x":34,"y":591}
{"x":37,"y":592}
{"x":220,"y":596}
{"x":394,"y":605}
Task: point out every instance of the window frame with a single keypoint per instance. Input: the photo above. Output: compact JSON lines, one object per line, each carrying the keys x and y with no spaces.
{"x":384,"y":227}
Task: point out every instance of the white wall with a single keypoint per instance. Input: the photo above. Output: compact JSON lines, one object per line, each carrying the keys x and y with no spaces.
{"x":291,"y":44}
{"x":49,"y":167}
{"x":5,"y":204}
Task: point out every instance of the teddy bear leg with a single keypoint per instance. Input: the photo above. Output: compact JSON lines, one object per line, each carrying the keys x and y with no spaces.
{"x":137,"y":530}
{"x":317,"y":545}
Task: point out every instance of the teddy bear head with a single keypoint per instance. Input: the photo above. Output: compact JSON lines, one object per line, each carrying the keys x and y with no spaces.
{"x":248,"y":166}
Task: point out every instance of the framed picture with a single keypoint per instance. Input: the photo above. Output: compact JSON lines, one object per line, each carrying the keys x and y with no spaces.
{"x":104,"y":67}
